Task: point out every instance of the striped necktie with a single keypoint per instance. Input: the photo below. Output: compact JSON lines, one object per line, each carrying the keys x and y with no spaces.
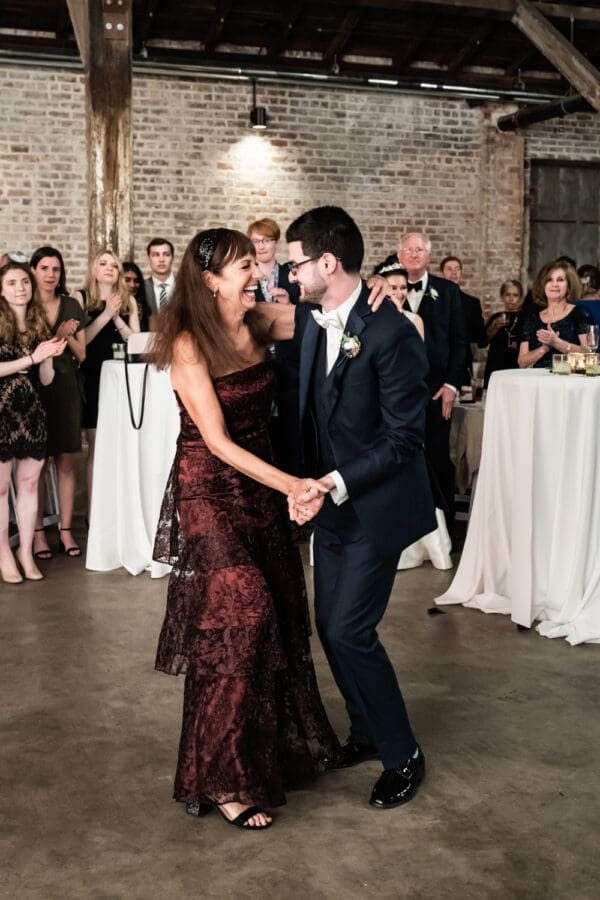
{"x":162,"y":297}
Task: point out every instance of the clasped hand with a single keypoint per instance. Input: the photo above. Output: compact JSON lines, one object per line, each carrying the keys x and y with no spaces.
{"x":548,"y":337}
{"x":306,"y":499}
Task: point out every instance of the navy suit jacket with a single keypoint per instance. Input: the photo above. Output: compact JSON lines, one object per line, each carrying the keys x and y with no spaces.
{"x":376,"y":422}
{"x":445,"y":335}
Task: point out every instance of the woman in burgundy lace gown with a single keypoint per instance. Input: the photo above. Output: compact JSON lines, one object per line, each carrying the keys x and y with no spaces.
{"x":237,"y":619}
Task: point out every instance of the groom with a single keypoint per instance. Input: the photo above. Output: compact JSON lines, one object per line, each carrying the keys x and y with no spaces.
{"x":362,"y":406}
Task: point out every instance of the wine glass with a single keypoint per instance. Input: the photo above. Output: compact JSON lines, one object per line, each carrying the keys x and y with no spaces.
{"x":592,"y":338}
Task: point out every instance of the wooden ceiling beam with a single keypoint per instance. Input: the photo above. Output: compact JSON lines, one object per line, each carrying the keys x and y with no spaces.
{"x":520,"y":61}
{"x":343,"y":35}
{"x":471,"y":47}
{"x":293,"y":13}
{"x":78,"y":11}
{"x":409,"y":47}
{"x":215,"y":29}
{"x":578,"y":70}
{"x":499,"y":8}
{"x":145,"y":30}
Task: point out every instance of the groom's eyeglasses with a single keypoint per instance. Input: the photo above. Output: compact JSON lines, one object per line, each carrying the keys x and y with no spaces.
{"x":294,"y":266}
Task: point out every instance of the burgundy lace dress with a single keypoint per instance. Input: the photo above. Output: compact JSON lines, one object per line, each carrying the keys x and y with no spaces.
{"x":237,"y":617}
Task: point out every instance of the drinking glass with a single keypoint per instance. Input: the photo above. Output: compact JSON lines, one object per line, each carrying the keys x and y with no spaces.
{"x":592,"y":338}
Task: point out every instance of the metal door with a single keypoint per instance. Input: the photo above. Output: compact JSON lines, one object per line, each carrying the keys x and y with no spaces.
{"x":564,"y":213}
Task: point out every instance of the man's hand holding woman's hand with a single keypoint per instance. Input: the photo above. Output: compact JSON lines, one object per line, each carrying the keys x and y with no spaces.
{"x":306,"y":499}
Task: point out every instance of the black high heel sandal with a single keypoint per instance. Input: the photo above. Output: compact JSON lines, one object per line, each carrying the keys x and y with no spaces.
{"x":199,"y":809}
{"x":42,"y":554}
{"x":71,"y":551}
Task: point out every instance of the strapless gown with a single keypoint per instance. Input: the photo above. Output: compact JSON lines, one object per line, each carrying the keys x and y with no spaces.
{"x":237,"y":619}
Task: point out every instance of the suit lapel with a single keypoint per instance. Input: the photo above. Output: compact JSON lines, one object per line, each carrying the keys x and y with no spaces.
{"x":308,"y":349}
{"x":354,"y":326}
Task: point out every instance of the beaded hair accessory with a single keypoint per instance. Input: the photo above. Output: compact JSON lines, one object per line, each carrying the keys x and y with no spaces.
{"x":389,"y":269}
{"x":209,"y":241}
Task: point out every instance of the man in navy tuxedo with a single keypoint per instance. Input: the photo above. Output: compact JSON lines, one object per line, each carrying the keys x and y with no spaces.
{"x":363,"y":397}
{"x":451,"y":268}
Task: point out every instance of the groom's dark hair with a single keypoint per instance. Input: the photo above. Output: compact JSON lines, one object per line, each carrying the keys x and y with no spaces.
{"x":329,"y":229}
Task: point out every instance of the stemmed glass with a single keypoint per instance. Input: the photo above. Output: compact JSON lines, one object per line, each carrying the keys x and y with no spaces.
{"x":592,"y":338}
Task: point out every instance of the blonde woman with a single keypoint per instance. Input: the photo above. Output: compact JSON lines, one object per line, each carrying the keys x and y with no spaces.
{"x":113,"y":313}
{"x":25,"y":361}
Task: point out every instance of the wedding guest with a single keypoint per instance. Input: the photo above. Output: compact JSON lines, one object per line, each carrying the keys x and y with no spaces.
{"x":451,"y":267}
{"x":26,"y":352}
{"x":397,"y":278}
{"x":502,"y":332}
{"x":590,"y":282}
{"x":237,"y":618}
{"x":274,"y":287}
{"x":161,"y":283}
{"x":137,"y":288}
{"x":554,"y":324}
{"x":63,"y":398}
{"x":113,"y":317}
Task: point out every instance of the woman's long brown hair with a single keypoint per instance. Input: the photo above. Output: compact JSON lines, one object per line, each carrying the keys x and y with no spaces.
{"x":36,"y":324}
{"x":193,"y":309}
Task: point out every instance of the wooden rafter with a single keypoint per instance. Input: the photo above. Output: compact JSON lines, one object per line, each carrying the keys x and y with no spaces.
{"x":292,"y":14}
{"x":559,"y":51}
{"x":145,"y":30}
{"x":409,"y":48}
{"x":343,"y":35}
{"x":215,"y":29}
{"x":504,"y":8}
{"x":471,"y":47}
{"x":520,"y":61}
{"x":79,"y":14}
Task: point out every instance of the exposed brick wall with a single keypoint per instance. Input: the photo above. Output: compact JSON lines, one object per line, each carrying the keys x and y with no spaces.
{"x":395,"y":162}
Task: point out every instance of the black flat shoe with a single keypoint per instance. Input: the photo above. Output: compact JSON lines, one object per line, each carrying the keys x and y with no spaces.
{"x":397,"y":786}
{"x":353,"y":754}
{"x":46,"y":553}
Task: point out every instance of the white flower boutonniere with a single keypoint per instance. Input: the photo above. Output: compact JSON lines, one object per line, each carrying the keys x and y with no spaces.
{"x":350,"y":345}
{"x":433,"y":294}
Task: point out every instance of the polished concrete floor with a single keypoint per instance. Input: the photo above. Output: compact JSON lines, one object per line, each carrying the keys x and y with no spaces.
{"x":508,"y":721}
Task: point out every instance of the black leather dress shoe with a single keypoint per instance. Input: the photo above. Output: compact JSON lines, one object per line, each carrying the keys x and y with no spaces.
{"x":353,"y":754}
{"x":398,"y":786}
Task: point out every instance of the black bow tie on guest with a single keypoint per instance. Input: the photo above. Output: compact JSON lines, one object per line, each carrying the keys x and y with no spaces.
{"x":416,"y":286}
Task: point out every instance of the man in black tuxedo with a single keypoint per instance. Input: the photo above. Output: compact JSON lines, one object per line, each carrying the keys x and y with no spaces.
{"x":451,"y":268}
{"x":362,"y":405}
{"x":439,"y":304}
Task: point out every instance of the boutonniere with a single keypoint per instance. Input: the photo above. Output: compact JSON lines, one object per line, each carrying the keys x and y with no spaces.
{"x":350,"y":345}
{"x":433,"y":293}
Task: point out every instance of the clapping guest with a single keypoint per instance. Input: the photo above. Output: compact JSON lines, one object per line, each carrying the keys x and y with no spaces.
{"x":114,"y":316}
{"x":135,"y":282}
{"x":63,"y":398}
{"x":502,"y":331}
{"x":559,"y":326}
{"x":274,"y":284}
{"x":25,"y":358}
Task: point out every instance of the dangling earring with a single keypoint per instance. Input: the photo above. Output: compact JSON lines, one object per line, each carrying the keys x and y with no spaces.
{"x":215,"y":294}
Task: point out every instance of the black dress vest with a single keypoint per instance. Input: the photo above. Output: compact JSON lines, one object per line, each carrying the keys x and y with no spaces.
{"x":320,"y":400}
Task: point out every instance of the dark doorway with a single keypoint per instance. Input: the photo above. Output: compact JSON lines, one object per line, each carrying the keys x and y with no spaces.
{"x":564,"y":213}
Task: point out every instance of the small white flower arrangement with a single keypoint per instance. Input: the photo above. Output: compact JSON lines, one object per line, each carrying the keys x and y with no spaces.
{"x":433,"y":294}
{"x":350,"y":345}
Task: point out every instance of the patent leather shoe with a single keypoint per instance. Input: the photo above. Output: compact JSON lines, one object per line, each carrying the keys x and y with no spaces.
{"x":353,"y":754}
{"x":398,"y":785}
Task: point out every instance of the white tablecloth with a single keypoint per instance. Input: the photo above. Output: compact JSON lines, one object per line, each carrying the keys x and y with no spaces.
{"x":532,"y":549}
{"x":130,"y":469}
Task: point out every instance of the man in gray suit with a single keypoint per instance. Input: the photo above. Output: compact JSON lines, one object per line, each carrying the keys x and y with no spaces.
{"x":159,"y":286}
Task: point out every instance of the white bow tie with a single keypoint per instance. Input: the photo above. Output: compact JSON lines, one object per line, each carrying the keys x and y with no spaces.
{"x":327,"y":320}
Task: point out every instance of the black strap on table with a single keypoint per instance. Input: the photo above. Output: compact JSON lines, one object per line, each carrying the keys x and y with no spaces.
{"x":137,"y":425}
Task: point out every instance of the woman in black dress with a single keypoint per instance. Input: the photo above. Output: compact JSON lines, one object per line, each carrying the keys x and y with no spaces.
{"x":113,"y":317}
{"x":63,"y":398}
{"x":237,"y":619}
{"x":25,"y":360}
{"x":502,"y":331}
{"x":135,"y":282}
{"x":555,"y":324}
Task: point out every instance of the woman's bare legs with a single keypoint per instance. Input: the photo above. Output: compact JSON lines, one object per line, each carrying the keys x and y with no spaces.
{"x":8,"y":563}
{"x":28,"y":474}
{"x":65,"y":469}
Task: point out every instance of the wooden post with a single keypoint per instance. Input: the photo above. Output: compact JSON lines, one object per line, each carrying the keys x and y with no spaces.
{"x":103,"y":32}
